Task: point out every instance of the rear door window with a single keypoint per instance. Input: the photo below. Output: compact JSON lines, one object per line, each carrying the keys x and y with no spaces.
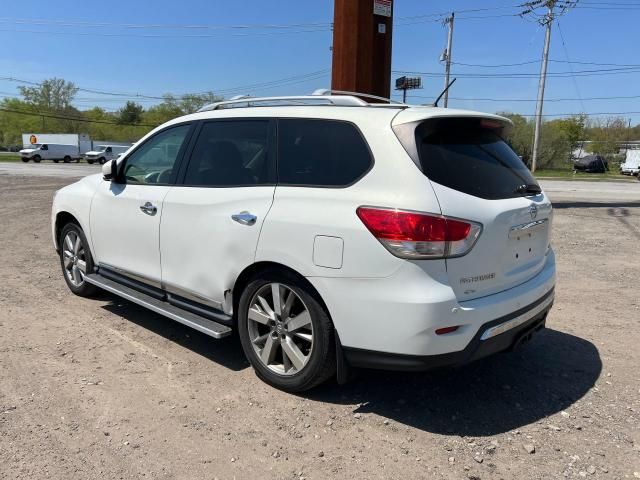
{"x":470,"y":156}
{"x":231,"y":154}
{"x":322,"y":153}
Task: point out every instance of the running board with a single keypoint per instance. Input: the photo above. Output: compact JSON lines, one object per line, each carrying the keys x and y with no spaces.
{"x":204,"y":325}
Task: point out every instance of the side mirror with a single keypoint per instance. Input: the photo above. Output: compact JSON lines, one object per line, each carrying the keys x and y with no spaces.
{"x":110,"y":170}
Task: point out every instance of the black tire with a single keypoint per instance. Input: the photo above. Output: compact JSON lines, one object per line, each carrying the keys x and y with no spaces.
{"x":322,"y":361}
{"x":101,"y":160}
{"x":25,"y":159}
{"x":90,"y":161}
{"x":67,"y":159}
{"x":37,"y":159}
{"x":85,"y":289}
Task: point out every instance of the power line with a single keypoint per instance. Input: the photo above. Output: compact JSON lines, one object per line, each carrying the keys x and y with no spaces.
{"x":73,"y":119}
{"x":256,"y":86}
{"x":530,"y":62}
{"x":566,"y":52}
{"x":167,"y":35}
{"x":531,"y":99}
{"x":81,"y":23}
{"x":595,"y":72}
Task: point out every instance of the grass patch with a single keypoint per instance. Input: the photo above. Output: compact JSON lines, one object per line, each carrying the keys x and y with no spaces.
{"x":10,"y":158}
{"x":612,"y":176}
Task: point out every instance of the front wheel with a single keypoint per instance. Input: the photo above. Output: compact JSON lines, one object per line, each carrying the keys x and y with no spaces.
{"x":102,"y":160}
{"x":37,"y":159}
{"x":25,"y":159}
{"x":76,"y":260}
{"x":67,"y":159}
{"x":285,"y":332}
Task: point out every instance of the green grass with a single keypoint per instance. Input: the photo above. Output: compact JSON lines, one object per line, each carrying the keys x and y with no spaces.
{"x":611,"y":175}
{"x":10,"y":157}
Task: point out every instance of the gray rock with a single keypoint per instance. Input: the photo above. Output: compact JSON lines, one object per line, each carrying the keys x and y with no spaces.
{"x":529,"y":448}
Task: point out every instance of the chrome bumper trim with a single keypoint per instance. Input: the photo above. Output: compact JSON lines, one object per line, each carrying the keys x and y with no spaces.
{"x":519,"y":320}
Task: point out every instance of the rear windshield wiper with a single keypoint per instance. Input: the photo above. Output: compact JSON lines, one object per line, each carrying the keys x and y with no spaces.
{"x":528,"y":189}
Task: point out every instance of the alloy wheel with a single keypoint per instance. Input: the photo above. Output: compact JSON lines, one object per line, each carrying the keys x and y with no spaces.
{"x":280,"y":329}
{"x":74,"y":258}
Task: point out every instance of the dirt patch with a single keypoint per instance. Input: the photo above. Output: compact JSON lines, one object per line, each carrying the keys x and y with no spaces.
{"x":102,"y":388}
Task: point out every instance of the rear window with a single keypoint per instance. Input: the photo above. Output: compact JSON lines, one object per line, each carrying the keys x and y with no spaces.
{"x":470,"y":156}
{"x":321,"y":153}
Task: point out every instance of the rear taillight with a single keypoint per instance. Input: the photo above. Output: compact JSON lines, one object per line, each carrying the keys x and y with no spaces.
{"x":409,"y":234}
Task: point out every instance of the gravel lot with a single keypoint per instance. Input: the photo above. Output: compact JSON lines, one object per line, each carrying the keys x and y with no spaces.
{"x":103,"y":389}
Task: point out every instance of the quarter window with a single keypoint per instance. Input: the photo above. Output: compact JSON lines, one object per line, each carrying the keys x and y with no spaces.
{"x":231,"y":153}
{"x":324,"y":153}
{"x":155,"y":160}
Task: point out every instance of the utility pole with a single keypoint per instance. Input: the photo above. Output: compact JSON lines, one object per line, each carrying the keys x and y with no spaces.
{"x":449,"y":22}
{"x":362,"y":35}
{"x":543,"y":78}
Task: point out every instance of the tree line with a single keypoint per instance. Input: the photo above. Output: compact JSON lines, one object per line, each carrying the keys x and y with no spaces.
{"x":48,"y":108}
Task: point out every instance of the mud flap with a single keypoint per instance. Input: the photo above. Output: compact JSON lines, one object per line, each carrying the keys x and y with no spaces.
{"x":344,"y":372}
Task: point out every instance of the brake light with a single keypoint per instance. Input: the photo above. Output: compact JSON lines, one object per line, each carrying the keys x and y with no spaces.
{"x":409,"y":234}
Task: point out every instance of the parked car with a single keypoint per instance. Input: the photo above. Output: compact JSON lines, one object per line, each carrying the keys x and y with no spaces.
{"x":631,"y":165}
{"x":104,"y":153}
{"x":329,"y":232}
{"x":591,"y":164}
{"x":50,"y":151}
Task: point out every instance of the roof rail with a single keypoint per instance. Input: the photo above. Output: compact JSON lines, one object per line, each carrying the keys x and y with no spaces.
{"x":337,"y":100}
{"x":326,"y":92}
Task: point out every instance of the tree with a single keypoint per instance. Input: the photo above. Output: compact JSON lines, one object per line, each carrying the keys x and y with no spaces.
{"x":130,"y":114}
{"x":53,"y":94}
{"x":192,"y":102}
{"x":520,"y":136}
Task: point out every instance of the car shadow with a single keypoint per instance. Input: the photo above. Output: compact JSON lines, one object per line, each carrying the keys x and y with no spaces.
{"x":226,"y":351}
{"x":491,"y":396}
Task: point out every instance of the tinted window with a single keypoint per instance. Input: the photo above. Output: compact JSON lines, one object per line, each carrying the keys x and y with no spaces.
{"x":231,"y":153}
{"x":154,"y":161}
{"x":470,"y":156}
{"x":320,"y":152}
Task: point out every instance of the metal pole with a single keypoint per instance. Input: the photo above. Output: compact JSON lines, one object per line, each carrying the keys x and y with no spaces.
{"x":404,"y":95}
{"x":543,"y":78}
{"x":448,"y":64}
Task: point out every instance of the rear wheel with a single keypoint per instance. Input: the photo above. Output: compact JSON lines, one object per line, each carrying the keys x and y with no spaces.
{"x":76,"y":260}
{"x":37,"y":159}
{"x":285,"y":332}
{"x":102,"y":160}
{"x":67,"y":159}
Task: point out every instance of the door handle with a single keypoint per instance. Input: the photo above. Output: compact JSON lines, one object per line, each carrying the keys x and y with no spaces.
{"x":244,"y":218}
{"x":149,"y":208}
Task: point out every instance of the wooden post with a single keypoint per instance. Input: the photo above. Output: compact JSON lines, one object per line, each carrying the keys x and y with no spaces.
{"x":362,"y":46}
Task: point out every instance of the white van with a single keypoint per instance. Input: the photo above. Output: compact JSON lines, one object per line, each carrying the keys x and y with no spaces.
{"x":50,"y":151}
{"x":104,"y":153}
{"x":631,"y":165}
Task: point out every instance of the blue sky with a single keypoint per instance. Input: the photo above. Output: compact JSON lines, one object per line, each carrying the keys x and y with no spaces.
{"x":155,"y":60}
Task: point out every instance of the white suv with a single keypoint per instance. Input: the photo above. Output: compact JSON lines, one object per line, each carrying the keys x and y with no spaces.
{"x":329,"y":232}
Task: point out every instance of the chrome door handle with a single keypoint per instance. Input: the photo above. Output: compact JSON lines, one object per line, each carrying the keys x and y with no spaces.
{"x":149,"y":208}
{"x":244,"y":218}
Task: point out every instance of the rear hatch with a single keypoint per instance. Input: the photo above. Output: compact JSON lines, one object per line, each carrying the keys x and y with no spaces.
{"x":476,"y":176}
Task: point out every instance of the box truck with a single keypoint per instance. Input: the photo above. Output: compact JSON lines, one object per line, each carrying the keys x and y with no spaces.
{"x":54,"y":146}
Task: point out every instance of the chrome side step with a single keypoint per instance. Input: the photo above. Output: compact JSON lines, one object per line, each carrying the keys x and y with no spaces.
{"x":204,"y":325}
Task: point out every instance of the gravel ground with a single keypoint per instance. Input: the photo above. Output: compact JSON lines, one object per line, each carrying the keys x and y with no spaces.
{"x":100,"y":388}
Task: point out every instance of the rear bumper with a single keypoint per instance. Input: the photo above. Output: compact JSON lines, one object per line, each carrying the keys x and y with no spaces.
{"x":526,"y":321}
